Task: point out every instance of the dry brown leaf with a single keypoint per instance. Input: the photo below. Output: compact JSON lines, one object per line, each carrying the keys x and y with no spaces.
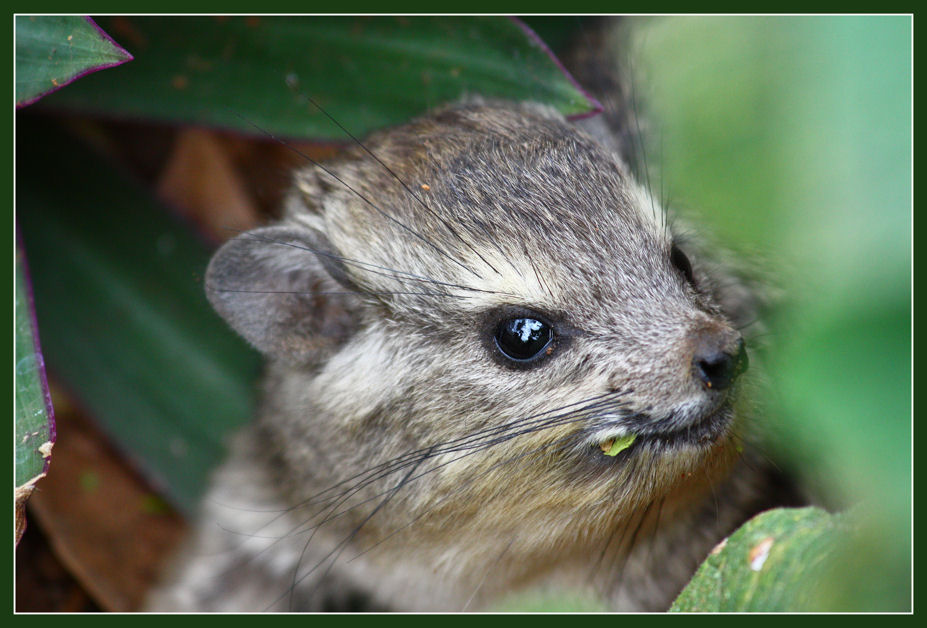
{"x":103,"y":522}
{"x":200,"y":179}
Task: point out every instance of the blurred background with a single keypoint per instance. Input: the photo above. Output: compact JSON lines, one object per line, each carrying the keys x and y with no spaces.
{"x":788,"y":138}
{"x":792,"y":137}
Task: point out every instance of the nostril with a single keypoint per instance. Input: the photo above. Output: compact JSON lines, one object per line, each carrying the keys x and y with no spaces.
{"x":718,"y":368}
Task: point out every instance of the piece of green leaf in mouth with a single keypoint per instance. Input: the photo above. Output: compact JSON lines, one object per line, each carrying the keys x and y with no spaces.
{"x":614,"y":446}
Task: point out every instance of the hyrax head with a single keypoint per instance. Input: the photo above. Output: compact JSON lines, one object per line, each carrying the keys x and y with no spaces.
{"x":487,"y":292}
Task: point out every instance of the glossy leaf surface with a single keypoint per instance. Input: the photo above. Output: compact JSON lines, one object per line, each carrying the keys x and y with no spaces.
{"x":124,"y":320}
{"x":52,"y":51}
{"x":263,"y":73}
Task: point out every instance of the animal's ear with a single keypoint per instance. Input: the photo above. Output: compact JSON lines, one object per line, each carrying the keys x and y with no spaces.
{"x":285,"y":291}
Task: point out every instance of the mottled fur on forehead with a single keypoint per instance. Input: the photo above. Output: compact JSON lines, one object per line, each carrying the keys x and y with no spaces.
{"x":528,"y":203}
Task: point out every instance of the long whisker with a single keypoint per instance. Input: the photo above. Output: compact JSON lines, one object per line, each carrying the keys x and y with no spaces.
{"x":638,"y":135}
{"x":472,"y":438}
{"x":560,"y":443}
{"x":339,"y":549}
{"x":361,"y":196}
{"x":626,"y":555}
{"x":656,"y":528}
{"x":489,"y":569}
{"x":468,"y":444}
{"x":469,"y":449}
{"x":386,"y":271}
{"x":418,"y":198}
{"x":339,"y":292}
{"x":608,"y":541}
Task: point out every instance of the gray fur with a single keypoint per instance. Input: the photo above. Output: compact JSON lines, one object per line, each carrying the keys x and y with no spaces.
{"x":375,"y":307}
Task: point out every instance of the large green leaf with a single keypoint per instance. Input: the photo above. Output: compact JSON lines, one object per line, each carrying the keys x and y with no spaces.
{"x":34,"y":424}
{"x":52,"y":51}
{"x":774,"y":562}
{"x":368,"y":72}
{"x":124,"y":321}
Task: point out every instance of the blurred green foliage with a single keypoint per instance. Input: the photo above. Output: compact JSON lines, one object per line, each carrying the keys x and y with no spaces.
{"x":792,"y":137}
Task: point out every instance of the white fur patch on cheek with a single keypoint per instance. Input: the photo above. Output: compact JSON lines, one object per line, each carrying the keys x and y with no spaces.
{"x":353,"y":380}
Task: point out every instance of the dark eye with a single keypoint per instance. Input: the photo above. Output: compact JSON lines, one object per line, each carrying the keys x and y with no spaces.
{"x":523,"y":339}
{"x":679,"y":260}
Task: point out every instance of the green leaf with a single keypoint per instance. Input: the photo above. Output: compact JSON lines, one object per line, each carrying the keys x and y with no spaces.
{"x":52,"y":51}
{"x":34,"y":423}
{"x":34,"y":419}
{"x":774,"y":562}
{"x":620,"y":444}
{"x":367,"y":72}
{"x":124,"y":320}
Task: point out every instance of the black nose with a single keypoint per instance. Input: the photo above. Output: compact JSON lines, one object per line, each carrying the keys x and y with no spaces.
{"x":717,"y":363}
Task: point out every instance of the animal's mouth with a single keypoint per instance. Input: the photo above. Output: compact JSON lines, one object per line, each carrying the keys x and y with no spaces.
{"x":674,"y":431}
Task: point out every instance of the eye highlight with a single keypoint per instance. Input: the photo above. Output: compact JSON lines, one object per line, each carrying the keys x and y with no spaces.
{"x":523,"y":339}
{"x":681,"y":262}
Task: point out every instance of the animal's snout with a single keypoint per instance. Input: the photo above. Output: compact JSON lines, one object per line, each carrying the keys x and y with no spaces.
{"x":720,"y":357}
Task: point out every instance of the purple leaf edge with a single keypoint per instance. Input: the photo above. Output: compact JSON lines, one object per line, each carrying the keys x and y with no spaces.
{"x":122,"y":51}
{"x":596,"y":106}
{"x":36,"y":344}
